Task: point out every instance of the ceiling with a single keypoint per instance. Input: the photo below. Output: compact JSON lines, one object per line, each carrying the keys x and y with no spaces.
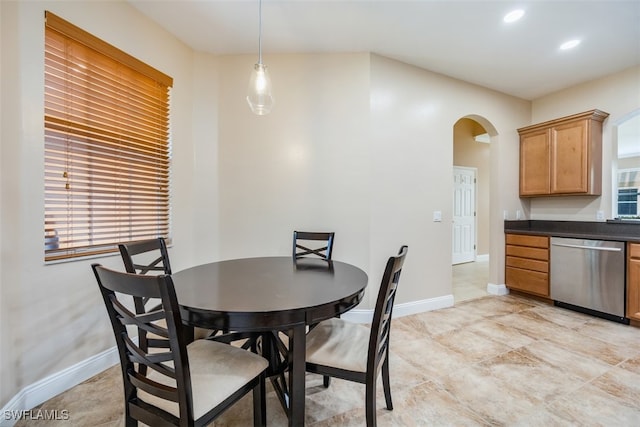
{"x":463,"y":39}
{"x":467,"y":40}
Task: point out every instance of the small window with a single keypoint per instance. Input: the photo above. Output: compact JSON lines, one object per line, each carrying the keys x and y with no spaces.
{"x":628,"y":202}
{"x":107,"y":146}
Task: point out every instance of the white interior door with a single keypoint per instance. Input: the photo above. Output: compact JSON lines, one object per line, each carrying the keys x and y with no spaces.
{"x":464,"y":215}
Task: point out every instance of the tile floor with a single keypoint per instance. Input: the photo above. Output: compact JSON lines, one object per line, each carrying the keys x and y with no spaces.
{"x":470,"y":280}
{"x":488,"y":361}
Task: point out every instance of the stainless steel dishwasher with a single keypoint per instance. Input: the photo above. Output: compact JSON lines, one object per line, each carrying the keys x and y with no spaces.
{"x":589,"y":276}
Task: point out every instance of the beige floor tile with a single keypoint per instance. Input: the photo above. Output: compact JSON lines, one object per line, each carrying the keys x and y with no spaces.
{"x":432,"y":405}
{"x":613,"y":352}
{"x":477,"y":388}
{"x":501,"y":333}
{"x":470,"y":345}
{"x":581,"y":366}
{"x":590,"y":406}
{"x":632,"y":364}
{"x":488,"y":361}
{"x":622,"y":384}
{"x":612,"y":332}
{"x":438,"y":322}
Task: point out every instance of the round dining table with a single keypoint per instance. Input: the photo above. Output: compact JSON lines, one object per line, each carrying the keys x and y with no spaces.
{"x":271,"y":295}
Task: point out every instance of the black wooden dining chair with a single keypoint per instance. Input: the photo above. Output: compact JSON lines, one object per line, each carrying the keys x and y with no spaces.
{"x":302,"y":248}
{"x":156,"y":260}
{"x":153,"y":250}
{"x":150,"y":257}
{"x":170,"y":382}
{"x":302,"y":244}
{"x":354,"y":352}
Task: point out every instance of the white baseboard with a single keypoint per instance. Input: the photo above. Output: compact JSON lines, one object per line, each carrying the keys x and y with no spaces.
{"x":493,"y":289}
{"x":43,"y":390}
{"x":404,"y":309}
{"x":482,"y":257}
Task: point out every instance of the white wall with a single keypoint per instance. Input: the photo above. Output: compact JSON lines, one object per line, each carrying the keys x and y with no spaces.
{"x":305,"y":165}
{"x":413,"y":112}
{"x":618,"y":95}
{"x":6,"y":56}
{"x":358,"y":144}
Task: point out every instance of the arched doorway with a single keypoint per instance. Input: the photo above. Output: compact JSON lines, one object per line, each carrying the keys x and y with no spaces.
{"x":470,"y":235}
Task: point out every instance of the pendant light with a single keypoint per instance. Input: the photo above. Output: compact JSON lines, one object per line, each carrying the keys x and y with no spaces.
{"x":259,"y":94}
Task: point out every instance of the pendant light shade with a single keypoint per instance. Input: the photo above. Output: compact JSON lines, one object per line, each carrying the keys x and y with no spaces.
{"x":259,"y":94}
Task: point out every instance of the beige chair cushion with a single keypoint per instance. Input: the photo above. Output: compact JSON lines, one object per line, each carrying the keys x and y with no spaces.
{"x":340,"y":344}
{"x":217,"y":371}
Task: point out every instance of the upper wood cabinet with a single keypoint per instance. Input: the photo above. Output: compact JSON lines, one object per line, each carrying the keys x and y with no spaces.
{"x":562,"y":156}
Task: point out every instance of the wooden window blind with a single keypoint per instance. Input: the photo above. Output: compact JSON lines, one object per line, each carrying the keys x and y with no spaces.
{"x":107,"y":147}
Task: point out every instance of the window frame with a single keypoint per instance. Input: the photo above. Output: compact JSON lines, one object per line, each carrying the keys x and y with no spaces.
{"x":120,"y":147}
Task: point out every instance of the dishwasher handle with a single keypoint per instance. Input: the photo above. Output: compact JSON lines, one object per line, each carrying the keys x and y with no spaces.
{"x":593,"y":248}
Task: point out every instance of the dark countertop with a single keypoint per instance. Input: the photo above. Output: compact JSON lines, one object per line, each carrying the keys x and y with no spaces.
{"x":624,"y":231}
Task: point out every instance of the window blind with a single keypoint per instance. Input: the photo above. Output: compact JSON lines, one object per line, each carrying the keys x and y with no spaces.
{"x":107,"y":148}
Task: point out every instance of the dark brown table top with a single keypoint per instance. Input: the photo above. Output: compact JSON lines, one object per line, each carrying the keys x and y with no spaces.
{"x":268,"y":292}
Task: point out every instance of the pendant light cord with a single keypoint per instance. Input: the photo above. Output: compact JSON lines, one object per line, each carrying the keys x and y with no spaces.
{"x":260,"y":33}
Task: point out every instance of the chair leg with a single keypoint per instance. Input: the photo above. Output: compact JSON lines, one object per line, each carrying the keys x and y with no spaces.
{"x":386,"y":383}
{"x":260,"y":403}
{"x":370,"y":402}
{"x":326,"y":380}
{"x":130,"y":422}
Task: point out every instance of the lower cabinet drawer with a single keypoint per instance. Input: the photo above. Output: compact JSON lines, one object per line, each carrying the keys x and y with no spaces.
{"x":528,"y":264}
{"x":534,"y":282}
{"x":525,"y":252}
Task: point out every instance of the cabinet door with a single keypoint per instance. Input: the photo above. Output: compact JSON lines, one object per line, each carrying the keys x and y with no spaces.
{"x":533,"y":282}
{"x":534,"y":163}
{"x":570,"y":158}
{"x":633,"y":281}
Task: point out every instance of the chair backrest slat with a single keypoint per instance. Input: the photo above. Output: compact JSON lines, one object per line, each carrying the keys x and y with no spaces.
{"x":133,"y":264}
{"x":161,"y":390}
{"x":134,"y":255}
{"x":304,"y":249}
{"x":381,"y":325}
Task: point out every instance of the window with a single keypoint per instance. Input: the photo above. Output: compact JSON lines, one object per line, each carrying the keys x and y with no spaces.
{"x":107,"y":150}
{"x":628,"y":202}
{"x":628,"y":196}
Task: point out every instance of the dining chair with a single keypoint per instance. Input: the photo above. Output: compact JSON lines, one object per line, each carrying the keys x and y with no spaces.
{"x":157,"y":260}
{"x":302,"y":249}
{"x":353,"y":352}
{"x":153,"y":250}
{"x":150,"y":256}
{"x":302,"y":246}
{"x":170,"y":382}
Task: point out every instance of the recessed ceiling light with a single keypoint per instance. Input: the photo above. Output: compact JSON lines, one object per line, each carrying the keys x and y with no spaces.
{"x":513,"y":16}
{"x":569,"y":44}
